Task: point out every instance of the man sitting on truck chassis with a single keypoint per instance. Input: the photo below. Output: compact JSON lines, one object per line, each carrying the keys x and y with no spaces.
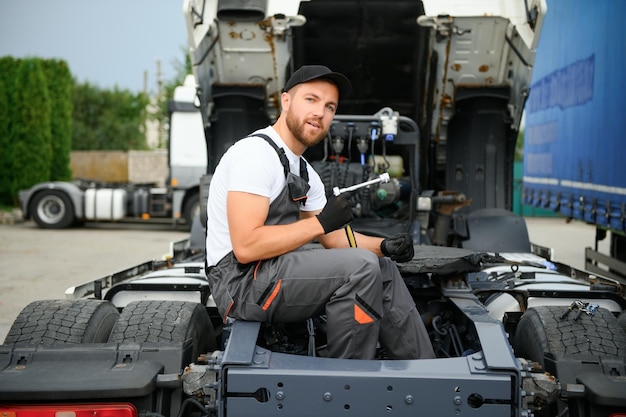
{"x":265,"y":202}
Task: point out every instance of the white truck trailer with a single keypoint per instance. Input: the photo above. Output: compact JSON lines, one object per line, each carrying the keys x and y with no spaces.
{"x":59,"y":204}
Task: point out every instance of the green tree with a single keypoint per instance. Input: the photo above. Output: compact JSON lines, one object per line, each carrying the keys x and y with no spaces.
{"x":182,"y":68}
{"x":166,"y":93}
{"x":59,"y":80}
{"x":7,"y":69}
{"x":108,"y":119}
{"x":32,"y":150}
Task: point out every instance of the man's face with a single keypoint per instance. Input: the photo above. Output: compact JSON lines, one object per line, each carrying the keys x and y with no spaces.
{"x":311,"y":109}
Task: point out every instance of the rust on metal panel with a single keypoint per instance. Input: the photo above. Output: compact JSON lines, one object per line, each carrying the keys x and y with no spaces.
{"x":273,"y":98}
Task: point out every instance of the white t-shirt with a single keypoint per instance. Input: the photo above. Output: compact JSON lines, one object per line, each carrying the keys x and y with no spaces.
{"x":252,"y":165}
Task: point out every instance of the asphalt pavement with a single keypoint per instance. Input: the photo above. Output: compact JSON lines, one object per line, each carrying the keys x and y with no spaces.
{"x":37,"y":264}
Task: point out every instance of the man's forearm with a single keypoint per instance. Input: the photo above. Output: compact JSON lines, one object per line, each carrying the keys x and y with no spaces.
{"x":339,"y":239}
{"x":269,"y":241}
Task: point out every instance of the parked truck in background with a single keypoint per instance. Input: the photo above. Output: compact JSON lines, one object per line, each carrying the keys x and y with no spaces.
{"x":58,"y":204}
{"x":575,"y":139}
{"x":439,"y":91}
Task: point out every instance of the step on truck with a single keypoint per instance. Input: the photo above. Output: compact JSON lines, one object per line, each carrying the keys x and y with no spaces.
{"x":440,"y":88}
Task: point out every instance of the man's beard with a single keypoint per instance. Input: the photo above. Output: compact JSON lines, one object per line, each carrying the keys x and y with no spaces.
{"x":297,"y":130}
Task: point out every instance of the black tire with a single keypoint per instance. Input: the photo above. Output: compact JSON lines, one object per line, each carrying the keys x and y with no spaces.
{"x":541,"y":330}
{"x":165,"y":321}
{"x":52,"y":209}
{"x":63,"y":322}
{"x":621,"y":319}
{"x":191,"y":208}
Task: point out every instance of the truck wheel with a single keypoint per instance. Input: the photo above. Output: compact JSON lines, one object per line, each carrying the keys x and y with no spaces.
{"x":63,"y":321}
{"x":52,"y":209}
{"x":191,"y":208}
{"x":166,"y":321}
{"x":621,"y":319}
{"x":541,"y":330}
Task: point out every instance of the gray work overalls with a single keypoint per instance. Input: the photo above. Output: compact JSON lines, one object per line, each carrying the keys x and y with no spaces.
{"x":363,"y":296}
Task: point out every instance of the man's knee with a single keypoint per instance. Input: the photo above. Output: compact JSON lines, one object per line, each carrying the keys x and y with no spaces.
{"x":365,"y":275}
{"x":366,"y":258}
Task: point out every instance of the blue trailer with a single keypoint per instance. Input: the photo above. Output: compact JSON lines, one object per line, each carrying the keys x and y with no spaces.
{"x":574,"y":137}
{"x":439,"y":86}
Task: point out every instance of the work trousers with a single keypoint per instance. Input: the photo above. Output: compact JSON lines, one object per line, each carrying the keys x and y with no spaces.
{"x":364,"y":298}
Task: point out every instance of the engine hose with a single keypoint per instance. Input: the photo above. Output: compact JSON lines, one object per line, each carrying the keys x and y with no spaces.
{"x":387,"y":164}
{"x":347,"y":166}
{"x":456,"y":340}
{"x":197,"y":404}
{"x":436,"y":320}
{"x":451,"y":332}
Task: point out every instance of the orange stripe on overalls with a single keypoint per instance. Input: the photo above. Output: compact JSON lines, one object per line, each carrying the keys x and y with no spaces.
{"x":272,"y":295}
{"x":230,"y":306}
{"x":361,"y":316}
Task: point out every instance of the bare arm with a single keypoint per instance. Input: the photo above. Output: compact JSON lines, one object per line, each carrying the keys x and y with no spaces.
{"x":252,"y":240}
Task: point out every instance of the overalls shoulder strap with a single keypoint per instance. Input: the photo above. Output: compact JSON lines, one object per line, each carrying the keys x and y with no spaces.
{"x":283,"y":157}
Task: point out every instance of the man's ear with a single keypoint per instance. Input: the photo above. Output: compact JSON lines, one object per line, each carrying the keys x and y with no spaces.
{"x":285,"y":100}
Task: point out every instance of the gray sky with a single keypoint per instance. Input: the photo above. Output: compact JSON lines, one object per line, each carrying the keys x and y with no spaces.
{"x":107,"y":43}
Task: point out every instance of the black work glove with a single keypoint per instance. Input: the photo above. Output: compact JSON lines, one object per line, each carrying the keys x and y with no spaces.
{"x":336,"y":213}
{"x":398,"y":247}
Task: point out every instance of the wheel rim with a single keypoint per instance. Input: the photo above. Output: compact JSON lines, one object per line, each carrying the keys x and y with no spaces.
{"x":51,"y":209}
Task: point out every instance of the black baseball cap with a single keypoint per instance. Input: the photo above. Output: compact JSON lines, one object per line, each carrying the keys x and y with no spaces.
{"x":315,"y":72}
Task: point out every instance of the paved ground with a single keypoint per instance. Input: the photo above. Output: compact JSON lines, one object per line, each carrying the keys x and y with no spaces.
{"x":38,"y":264}
{"x":568,"y":240}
